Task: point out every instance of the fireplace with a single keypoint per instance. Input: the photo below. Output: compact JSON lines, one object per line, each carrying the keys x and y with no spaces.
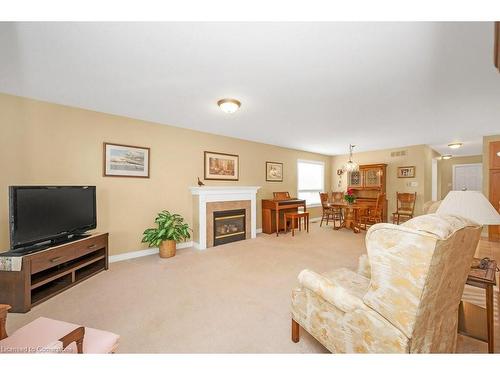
{"x":229,"y":226}
{"x":210,"y":199}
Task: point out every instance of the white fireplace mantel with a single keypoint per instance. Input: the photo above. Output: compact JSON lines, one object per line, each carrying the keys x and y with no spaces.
{"x":223,"y":194}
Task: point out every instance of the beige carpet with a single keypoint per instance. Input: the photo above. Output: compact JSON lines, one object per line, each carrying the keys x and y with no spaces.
{"x":229,"y":299}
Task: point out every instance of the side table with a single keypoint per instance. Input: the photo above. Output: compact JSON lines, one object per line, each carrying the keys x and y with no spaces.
{"x":471,"y":316}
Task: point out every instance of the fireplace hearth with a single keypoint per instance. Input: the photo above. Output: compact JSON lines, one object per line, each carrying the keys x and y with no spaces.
{"x":229,"y":226}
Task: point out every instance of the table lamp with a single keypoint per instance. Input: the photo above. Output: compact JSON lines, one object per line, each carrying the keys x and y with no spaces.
{"x":471,"y":205}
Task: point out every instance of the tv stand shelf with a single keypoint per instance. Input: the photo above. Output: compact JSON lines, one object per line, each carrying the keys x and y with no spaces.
{"x":49,"y":272}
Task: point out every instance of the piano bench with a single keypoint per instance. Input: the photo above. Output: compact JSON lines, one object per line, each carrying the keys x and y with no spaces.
{"x":297,"y":216}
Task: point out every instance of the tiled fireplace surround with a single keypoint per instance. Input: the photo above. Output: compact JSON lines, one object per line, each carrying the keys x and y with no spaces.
{"x":208,"y":199}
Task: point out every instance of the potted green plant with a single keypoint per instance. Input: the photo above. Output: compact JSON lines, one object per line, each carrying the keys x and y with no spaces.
{"x":171,"y":229}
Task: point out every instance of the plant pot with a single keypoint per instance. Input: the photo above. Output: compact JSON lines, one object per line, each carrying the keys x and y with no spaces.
{"x":167,"y":249}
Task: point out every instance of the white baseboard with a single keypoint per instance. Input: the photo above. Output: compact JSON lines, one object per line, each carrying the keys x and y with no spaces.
{"x":154,"y":250}
{"x":143,"y":253}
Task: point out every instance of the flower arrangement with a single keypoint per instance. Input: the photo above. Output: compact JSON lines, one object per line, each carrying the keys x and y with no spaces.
{"x":349,"y":196}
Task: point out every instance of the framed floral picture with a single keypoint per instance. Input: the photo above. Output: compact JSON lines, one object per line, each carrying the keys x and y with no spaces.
{"x":219,"y":166}
{"x":274,"y":171}
{"x":125,"y":161}
{"x":406,"y":172}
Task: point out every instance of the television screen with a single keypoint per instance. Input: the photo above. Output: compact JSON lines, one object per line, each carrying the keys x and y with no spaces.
{"x":42,"y":213}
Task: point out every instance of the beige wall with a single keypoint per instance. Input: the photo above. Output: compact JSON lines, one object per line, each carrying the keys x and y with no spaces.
{"x":445,"y":172}
{"x":419,"y":156}
{"x":486,"y":162}
{"x":45,"y":143}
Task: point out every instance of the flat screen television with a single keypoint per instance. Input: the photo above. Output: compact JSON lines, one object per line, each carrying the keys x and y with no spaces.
{"x":38,"y":214}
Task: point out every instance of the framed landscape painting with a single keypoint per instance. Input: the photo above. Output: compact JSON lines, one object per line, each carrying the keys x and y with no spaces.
{"x":274,"y":171}
{"x":219,"y":166}
{"x":126,"y":161}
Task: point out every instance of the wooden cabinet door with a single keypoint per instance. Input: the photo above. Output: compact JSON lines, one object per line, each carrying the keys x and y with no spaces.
{"x":356,"y":179}
{"x":372,"y":178}
{"x":494,"y":230}
{"x":495,"y":155}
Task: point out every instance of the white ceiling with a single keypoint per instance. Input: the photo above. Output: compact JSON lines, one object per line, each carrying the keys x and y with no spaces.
{"x":310,"y":86}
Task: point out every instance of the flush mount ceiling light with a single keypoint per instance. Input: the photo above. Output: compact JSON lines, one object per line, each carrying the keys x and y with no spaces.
{"x":446,"y":157}
{"x":229,"y":105}
{"x":350,"y":166}
{"x":455,"y":145}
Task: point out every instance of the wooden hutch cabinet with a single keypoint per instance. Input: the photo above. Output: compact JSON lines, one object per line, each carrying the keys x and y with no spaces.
{"x":367,"y":183}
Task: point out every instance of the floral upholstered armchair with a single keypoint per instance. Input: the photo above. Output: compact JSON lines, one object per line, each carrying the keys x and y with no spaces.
{"x":404,"y":297}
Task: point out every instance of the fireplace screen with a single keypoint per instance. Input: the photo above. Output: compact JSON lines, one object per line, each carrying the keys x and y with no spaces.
{"x":229,"y":226}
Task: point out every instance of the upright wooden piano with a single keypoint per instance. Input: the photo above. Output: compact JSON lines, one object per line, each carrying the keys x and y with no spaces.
{"x":367,"y":183}
{"x":273,"y":211}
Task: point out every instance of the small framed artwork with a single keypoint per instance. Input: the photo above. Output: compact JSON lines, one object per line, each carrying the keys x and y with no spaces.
{"x":125,"y":161}
{"x":274,"y":171}
{"x":406,"y":172}
{"x":219,"y":166}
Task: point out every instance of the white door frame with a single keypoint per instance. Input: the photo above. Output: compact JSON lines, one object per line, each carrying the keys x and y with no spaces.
{"x":434,"y":180}
{"x":463,"y":165}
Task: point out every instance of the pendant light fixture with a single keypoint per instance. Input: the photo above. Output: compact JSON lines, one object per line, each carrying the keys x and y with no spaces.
{"x":350,"y":166}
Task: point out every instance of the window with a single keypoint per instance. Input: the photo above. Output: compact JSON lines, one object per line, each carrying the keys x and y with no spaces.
{"x":311,"y":181}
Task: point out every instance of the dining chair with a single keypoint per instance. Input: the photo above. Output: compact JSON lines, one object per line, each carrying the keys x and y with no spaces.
{"x":373,"y":215}
{"x":327,"y":210}
{"x":337,"y":196}
{"x":330,"y":212}
{"x":405,"y":207}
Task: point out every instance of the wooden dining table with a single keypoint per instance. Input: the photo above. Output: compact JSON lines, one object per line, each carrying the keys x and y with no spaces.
{"x":351,"y":215}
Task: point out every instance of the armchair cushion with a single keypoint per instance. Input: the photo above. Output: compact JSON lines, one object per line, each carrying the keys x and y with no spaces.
{"x":43,"y":331}
{"x":330,"y":308}
{"x":342,"y":288}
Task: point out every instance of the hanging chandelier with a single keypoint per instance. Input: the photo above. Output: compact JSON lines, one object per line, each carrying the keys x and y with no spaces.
{"x":350,"y":166}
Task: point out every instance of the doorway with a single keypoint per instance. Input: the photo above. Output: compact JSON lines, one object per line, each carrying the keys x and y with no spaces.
{"x":468,"y":177}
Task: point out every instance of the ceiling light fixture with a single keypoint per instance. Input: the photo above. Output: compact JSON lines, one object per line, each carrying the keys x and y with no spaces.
{"x":350,"y":166}
{"x":229,"y":105}
{"x":446,"y":157}
{"x":455,"y":145}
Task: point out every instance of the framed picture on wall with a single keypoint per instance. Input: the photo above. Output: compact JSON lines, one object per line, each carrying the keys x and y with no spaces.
{"x":406,"y":172}
{"x":219,"y":166}
{"x":125,"y":161}
{"x":274,"y":171}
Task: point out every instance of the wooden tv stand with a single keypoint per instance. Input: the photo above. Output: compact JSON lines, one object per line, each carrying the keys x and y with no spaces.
{"x":49,"y":272}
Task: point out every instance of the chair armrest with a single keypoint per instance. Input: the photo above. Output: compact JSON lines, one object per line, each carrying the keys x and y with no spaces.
{"x":74,"y":336}
{"x":3,"y":320}
{"x":330,"y":291}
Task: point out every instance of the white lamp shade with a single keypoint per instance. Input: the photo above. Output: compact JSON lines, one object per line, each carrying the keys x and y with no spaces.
{"x":471,"y":205}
